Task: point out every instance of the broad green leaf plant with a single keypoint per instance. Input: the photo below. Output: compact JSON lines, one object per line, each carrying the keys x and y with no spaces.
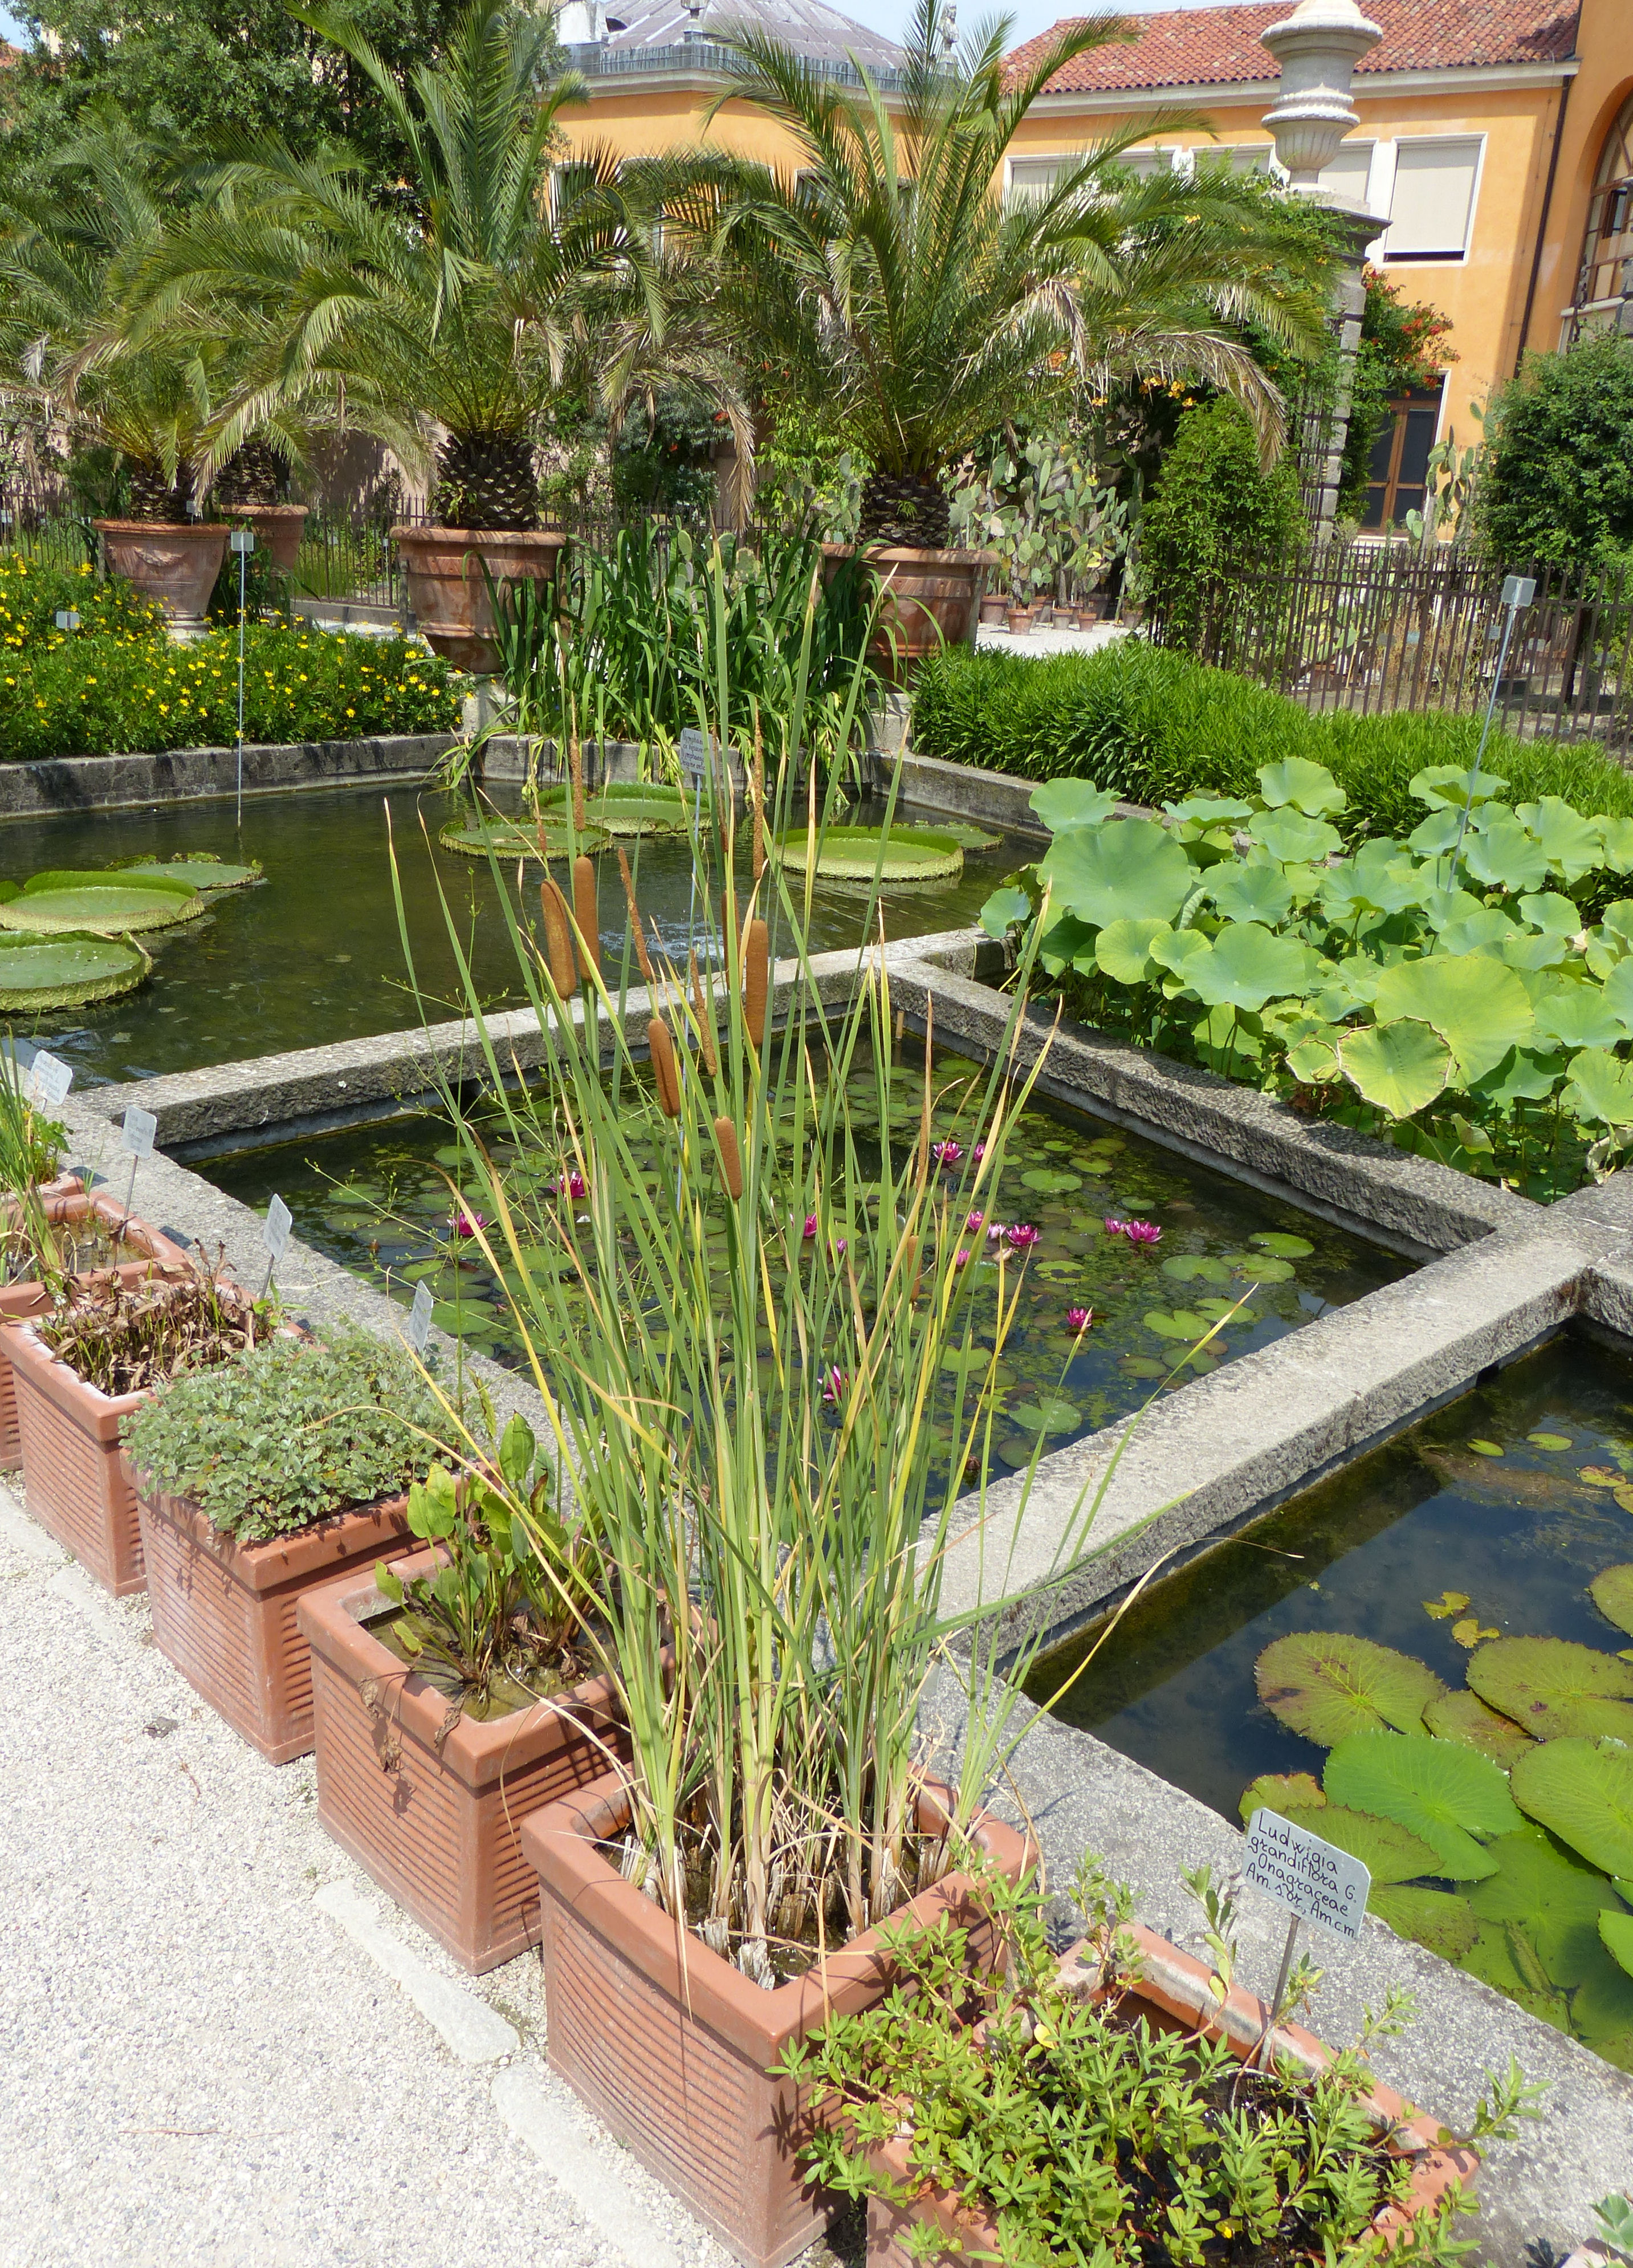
{"x":1445,"y":991}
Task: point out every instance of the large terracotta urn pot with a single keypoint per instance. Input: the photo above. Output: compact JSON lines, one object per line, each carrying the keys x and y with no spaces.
{"x":447,"y":590}
{"x":173,"y":563}
{"x":930,"y":599}
{"x":278,"y":529}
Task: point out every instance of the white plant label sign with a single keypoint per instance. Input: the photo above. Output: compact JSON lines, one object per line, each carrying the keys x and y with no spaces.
{"x":695,"y":753}
{"x":276,"y":1228}
{"x":1313,"y":1880}
{"x":420,"y":1319}
{"x":137,"y":1131}
{"x":49,"y":1078}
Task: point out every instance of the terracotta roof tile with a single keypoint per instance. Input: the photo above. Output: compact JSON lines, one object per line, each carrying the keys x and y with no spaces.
{"x":1212,"y":47}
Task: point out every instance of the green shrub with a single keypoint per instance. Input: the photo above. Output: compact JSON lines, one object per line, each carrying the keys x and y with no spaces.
{"x":96,"y":694}
{"x":1214,"y":507}
{"x":1560,"y":484}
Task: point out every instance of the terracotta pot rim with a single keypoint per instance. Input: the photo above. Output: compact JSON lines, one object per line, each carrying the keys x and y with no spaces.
{"x":283,"y":511}
{"x":152,"y":1247}
{"x":559,"y":1839}
{"x":276,"y":1560}
{"x":477,"y":1750}
{"x":426,"y":531}
{"x":909,"y":554}
{"x":50,"y":1372}
{"x":191,"y":530}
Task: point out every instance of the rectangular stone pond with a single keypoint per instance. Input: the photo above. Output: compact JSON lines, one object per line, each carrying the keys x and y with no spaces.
{"x":377,"y":1198}
{"x":1332,"y":1658}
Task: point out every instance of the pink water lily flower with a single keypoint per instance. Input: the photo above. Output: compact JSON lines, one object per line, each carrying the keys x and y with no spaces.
{"x":1078,"y":1319}
{"x":467,"y":1224}
{"x":996,"y":1232}
{"x":1142,"y":1231}
{"x":947,"y":1153}
{"x":833,"y":1385}
{"x":576,"y":1186}
{"x":839,"y":1246}
{"x":1113,"y":1227}
{"x":979,"y":1152}
{"x":810,"y":1227}
{"x":973,"y":1220}
{"x":961,"y":1258}
{"x":1023,"y":1236}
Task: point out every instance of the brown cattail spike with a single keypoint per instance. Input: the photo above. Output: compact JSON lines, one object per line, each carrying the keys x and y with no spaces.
{"x":731,"y":1156}
{"x":756,"y":979}
{"x":641,"y":953}
{"x":586,"y":913}
{"x":558,"y":938}
{"x":704,"y":1008}
{"x":665,"y":1071}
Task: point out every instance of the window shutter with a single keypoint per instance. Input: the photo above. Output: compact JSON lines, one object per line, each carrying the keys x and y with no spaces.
{"x":1434,"y":196}
{"x":1347,"y":174}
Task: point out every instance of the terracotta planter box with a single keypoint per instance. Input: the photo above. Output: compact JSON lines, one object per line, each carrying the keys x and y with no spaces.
{"x":1018,"y":619}
{"x":225,"y":1612}
{"x":669,"y":2044}
{"x":278,"y":529}
{"x":930,"y":599}
{"x":19,"y":1301}
{"x":447,"y":591}
{"x":1173,"y":1994}
{"x":175,"y":565}
{"x":992,"y":607}
{"x":440,"y":1830}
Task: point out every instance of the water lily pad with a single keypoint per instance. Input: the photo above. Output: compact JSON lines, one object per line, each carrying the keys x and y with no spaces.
{"x":1552,"y":1687}
{"x":1285,"y":1248}
{"x":1282,"y":1792}
{"x":1612,"y":1594}
{"x":1439,"y":1919}
{"x":100,"y":904}
{"x":1049,"y":1181}
{"x":1617,"y":1930}
{"x":198,"y":870}
{"x":1048,"y":1415}
{"x":1503,"y":1957}
{"x":1267,"y":1271}
{"x":1183,"y":1323}
{"x":1441,"y":1790}
{"x":1486,"y":1448}
{"x":67,"y":971}
{"x":1584,"y":1793}
{"x":1195,"y":1268}
{"x":1389,"y":1852}
{"x":1552,"y":1896}
{"x":1549,"y":1440}
{"x":1465,"y":1717}
{"x":1142,"y":1366}
{"x":1328,"y":1684}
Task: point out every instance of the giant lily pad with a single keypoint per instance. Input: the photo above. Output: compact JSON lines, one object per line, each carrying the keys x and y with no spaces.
{"x":518,"y":838}
{"x":1611,"y":1593}
{"x":1465,"y":1717}
{"x":1129,"y":868}
{"x":1390,"y":1852}
{"x":1551,"y":1686}
{"x":1617,"y":1930}
{"x":198,"y":870}
{"x":103,"y":904}
{"x":1442,"y":1791}
{"x":856,"y":854}
{"x":627,"y":808}
{"x":1584,"y":1793}
{"x":1438,"y":1919}
{"x":1503,"y":1957}
{"x":1327,"y":1684}
{"x":1282,"y":1792}
{"x":1552,"y":1896}
{"x":66,"y":971}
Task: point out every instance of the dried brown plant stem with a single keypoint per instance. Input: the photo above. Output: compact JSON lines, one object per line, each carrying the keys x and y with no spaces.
{"x":641,"y":953}
{"x":558,"y":938}
{"x":703,"y":1007}
{"x":586,"y":913}
{"x":760,"y":803}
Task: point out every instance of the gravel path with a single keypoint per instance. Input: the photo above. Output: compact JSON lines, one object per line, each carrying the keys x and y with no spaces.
{"x":213,"y":2047}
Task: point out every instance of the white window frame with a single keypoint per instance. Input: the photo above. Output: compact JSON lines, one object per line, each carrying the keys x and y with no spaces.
{"x":1436,"y":259}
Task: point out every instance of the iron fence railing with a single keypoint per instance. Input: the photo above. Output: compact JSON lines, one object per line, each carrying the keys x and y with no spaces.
{"x":1377,"y":629}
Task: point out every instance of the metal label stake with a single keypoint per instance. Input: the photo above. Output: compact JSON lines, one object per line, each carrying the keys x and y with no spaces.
{"x":420,"y":1320}
{"x":136,"y":1134}
{"x":275,"y":1236}
{"x":243,"y":542}
{"x":1309,"y":1879}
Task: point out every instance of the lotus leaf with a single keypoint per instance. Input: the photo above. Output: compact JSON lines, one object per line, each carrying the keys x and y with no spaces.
{"x":1617,"y":918}
{"x":1315,"y":1062}
{"x":1550,"y":910}
{"x":1438,"y":1919}
{"x":100,"y":904}
{"x":195,"y":870}
{"x":67,"y":970}
{"x":1307,"y":787}
{"x":1441,"y":1790}
{"x":1175,"y":948}
{"x":1279,"y":1792}
{"x":1480,"y":1008}
{"x":1575,"y":1015}
{"x":1067,"y":802}
{"x":1505,"y":854}
{"x":1615,"y":835}
{"x":1433,"y":836}
{"x":1287,"y":834}
{"x":1004,"y":908}
{"x":1248,"y":965}
{"x":1249,"y":893}
{"x":1551,"y":1686}
{"x":1570,"y":841}
{"x":1130,"y":869}
{"x":1381,"y":875}
{"x":1533,"y":951}
{"x":1122,"y":949}
{"x":1399,"y":1067}
{"x":1599,"y":1089}
{"x":1208,"y":810}
{"x":1327,"y":1684}
{"x":1522,"y":1075}
{"x":1465,"y":1717}
{"x":1487,"y":926}
{"x":856,"y":854}
{"x":1390,"y":1852}
{"x":1450,"y":783}
{"x":1612,"y":1594}
{"x":1616,"y":1929}
{"x":1443,"y":908}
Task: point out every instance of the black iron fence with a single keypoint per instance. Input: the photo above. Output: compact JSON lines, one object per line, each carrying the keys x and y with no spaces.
{"x":1381,"y":627}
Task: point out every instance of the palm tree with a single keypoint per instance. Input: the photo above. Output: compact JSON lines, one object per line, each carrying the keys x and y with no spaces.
{"x":922,"y":307}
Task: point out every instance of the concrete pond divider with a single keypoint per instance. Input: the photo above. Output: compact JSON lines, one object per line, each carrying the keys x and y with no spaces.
{"x":1497,"y":1275}
{"x":70,"y":783}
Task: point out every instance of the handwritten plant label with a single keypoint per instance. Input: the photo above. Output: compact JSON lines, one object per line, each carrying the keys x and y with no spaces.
{"x":49,"y":1078}
{"x":137,"y":1131}
{"x":695,"y":752}
{"x":1314,"y":1880}
{"x":276,"y":1228}
{"x":420,"y":1319}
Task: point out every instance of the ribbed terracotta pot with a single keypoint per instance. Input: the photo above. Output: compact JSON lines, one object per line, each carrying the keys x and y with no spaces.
{"x":19,"y":1301}
{"x":225,"y":1612}
{"x":175,"y":565}
{"x":930,"y":599}
{"x":447,"y":590}
{"x":1174,"y":1993}
{"x":669,"y":2043}
{"x":440,"y":1828}
{"x":278,"y":529}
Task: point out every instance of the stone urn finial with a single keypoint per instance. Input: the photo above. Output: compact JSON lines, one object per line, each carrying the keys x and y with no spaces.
{"x":1317,"y":48}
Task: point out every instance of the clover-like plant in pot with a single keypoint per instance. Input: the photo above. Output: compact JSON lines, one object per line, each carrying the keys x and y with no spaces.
{"x":257,"y":1479}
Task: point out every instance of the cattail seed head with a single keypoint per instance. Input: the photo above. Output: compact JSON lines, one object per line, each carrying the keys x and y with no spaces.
{"x":641,"y":953}
{"x":756,"y":979}
{"x":586,"y":913}
{"x":665,"y":1069}
{"x":731,"y":1156}
{"x":558,"y":938}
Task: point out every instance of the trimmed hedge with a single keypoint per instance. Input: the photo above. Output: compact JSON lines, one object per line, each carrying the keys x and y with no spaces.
{"x":1153,"y":726}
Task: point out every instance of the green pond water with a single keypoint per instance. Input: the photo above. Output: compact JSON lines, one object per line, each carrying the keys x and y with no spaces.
{"x":313,"y":955}
{"x":1475,"y":1526}
{"x":373,"y":1199}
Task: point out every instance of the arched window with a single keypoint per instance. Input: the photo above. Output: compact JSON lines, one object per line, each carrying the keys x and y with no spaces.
{"x":1603,"y":300}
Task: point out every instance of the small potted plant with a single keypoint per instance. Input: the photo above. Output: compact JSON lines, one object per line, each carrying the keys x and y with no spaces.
{"x":257,"y":1480}
{"x":455,"y":1693}
{"x":90,"y":1363}
{"x":1125,"y":2102}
